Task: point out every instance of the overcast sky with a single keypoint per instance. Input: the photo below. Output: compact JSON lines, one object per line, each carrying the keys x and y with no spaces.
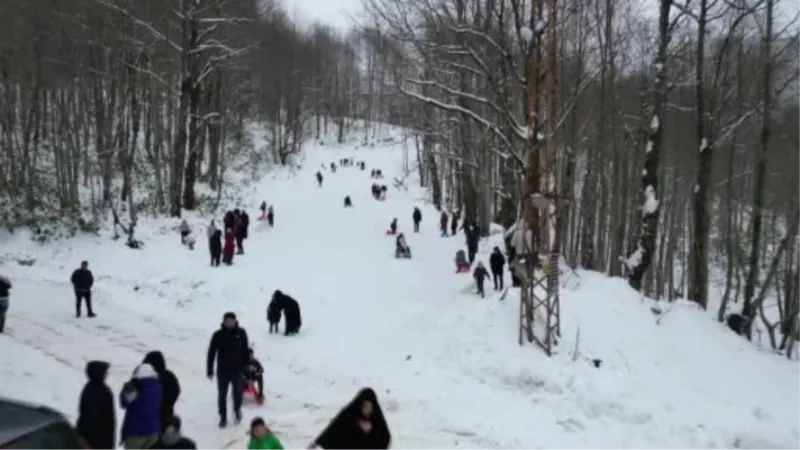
{"x":336,"y":13}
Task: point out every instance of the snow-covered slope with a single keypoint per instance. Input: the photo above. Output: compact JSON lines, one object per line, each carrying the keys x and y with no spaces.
{"x":445,"y":363}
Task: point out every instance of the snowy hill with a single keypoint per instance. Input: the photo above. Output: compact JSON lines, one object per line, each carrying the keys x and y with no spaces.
{"x":445,"y":363}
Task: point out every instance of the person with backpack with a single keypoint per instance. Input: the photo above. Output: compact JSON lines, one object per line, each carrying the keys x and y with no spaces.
{"x":417,"y":217}
{"x":496,"y":263}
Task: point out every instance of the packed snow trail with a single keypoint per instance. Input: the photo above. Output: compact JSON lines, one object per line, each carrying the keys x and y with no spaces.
{"x":444,"y":362}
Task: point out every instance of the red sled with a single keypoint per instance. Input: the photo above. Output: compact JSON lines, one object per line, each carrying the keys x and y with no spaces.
{"x":250,"y":390}
{"x":462,"y":269}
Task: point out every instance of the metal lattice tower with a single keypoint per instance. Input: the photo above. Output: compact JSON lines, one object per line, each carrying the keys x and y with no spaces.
{"x":540,"y":310}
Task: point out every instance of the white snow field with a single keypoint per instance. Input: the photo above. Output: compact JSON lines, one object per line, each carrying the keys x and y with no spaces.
{"x":445,"y":363}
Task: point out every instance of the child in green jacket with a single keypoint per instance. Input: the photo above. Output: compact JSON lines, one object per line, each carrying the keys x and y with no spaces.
{"x":261,"y":437}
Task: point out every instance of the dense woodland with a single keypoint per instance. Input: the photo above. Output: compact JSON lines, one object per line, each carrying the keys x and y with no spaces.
{"x":677,"y":125}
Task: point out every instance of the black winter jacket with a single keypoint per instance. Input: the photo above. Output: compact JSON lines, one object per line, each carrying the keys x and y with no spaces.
{"x":96,"y":413}
{"x":5,"y":286}
{"x":497,"y":261}
{"x":230,"y":348}
{"x":170,"y":386}
{"x":480,"y":274}
{"x":215,"y":243}
{"x":417,"y":215}
{"x":82,"y":279}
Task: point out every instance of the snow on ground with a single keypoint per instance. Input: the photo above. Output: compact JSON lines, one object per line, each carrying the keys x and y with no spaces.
{"x":445,"y":363}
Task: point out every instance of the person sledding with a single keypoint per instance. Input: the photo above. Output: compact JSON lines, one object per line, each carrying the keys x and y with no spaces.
{"x":392,"y":228}
{"x":361,"y":424}
{"x":462,"y":265}
{"x":402,"y":250}
{"x":254,"y":376}
{"x":480,"y":274}
{"x":263,"y":209}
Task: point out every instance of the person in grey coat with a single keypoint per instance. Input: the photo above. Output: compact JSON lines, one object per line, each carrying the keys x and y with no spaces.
{"x":186,"y":230}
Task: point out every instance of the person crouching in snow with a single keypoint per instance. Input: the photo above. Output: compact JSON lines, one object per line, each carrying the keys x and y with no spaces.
{"x":480,"y":274}
{"x":360,"y":424}
{"x":261,"y":437}
{"x":392,"y":227}
{"x":402,"y":250}
{"x":172,"y":438}
{"x":141,"y":399}
{"x":229,"y":247}
{"x":186,"y":230}
{"x":462,"y":265}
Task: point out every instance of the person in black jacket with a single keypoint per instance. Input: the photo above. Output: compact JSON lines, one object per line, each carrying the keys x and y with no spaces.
{"x":172,"y":438}
{"x":319,"y":178}
{"x":273,"y":316}
{"x":230,"y":347}
{"x":496,"y":263}
{"x":170,"y":386}
{"x":239,"y":231}
{"x":215,"y":247}
{"x":417,"y":216}
{"x":480,"y":274}
{"x":291,"y":312}
{"x":472,"y":233}
{"x":96,"y":414}
{"x":5,"y":286}
{"x":454,"y":224}
{"x":360,"y":424}
{"x":82,"y":282}
{"x":229,"y":220}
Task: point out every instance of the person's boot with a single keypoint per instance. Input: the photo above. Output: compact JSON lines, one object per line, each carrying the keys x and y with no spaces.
{"x":223,"y":422}
{"x":238,"y":415}
{"x":91,"y":314}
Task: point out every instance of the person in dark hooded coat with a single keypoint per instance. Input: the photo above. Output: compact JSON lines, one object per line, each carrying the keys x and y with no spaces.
{"x":96,"y":414}
{"x":417,"y":217}
{"x":291,"y":312}
{"x":360,"y":425}
{"x":215,"y":247}
{"x":170,"y":386}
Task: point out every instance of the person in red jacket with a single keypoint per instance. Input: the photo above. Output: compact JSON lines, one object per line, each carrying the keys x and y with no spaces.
{"x":229,"y":247}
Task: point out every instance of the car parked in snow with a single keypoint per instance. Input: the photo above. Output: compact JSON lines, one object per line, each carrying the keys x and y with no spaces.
{"x":23,"y":425}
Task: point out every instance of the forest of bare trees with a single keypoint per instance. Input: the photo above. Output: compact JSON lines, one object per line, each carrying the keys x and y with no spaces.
{"x":677,"y":127}
{"x":677,"y":121}
{"x":133,"y":104}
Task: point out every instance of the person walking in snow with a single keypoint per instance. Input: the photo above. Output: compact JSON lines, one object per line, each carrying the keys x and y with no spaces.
{"x":215,"y":247}
{"x":472,"y":234}
{"x":454,"y":224}
{"x":96,"y":424}
{"x":211,"y":228}
{"x":170,"y":386}
{"x":5,"y":287}
{"x":360,"y":424}
{"x":230,"y":348}
{"x":172,"y":438}
{"x":443,"y":220}
{"x":186,"y":230}
{"x":319,"y":178}
{"x":393,"y":227}
{"x":273,"y":317}
{"x":480,"y":274}
{"x":270,"y":216}
{"x":263,"y":210}
{"x":228,"y":248}
{"x":496,"y":263}
{"x":417,"y":217}
{"x":261,"y":437}
{"x":239,"y":231}
{"x":82,"y":282}
{"x":141,"y":399}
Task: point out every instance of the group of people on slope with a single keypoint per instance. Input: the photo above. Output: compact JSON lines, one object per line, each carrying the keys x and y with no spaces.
{"x":236,"y":224}
{"x":148,"y":398}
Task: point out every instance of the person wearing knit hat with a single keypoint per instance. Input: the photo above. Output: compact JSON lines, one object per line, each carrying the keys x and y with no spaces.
{"x":230,"y":347}
{"x":172,"y":438}
{"x":261,"y":437}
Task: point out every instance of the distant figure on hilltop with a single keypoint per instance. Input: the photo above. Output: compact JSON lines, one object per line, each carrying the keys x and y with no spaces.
{"x":417,"y":217}
{"x":319,"y":178}
{"x":347,"y":202}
